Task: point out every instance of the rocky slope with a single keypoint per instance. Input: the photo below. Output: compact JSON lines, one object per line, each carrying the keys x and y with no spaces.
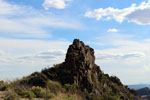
{"x":79,"y":68}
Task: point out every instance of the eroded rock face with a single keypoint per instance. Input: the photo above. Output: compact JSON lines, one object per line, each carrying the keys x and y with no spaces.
{"x":80,"y":60}
{"x":80,"y":56}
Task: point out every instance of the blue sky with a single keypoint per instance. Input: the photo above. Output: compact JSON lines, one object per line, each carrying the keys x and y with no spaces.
{"x":35,"y":34}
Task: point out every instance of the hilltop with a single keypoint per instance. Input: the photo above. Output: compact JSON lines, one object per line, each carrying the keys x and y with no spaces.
{"x":78,"y":76}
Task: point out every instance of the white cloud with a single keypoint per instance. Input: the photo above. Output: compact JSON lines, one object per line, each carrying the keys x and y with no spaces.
{"x":32,"y":52}
{"x":112,"y":30}
{"x":50,"y":55}
{"x":123,"y":56}
{"x":7,"y":9}
{"x":30,"y":46}
{"x":16,"y":50}
{"x":126,"y":59}
{"x":101,"y":55}
{"x":59,"y":4}
{"x":147,"y":40}
{"x":25,"y":21}
{"x":138,"y":14}
{"x":16,"y":27}
{"x":108,"y":18}
{"x":23,"y":57}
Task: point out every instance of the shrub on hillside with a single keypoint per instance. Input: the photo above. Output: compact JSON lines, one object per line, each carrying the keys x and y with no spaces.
{"x":35,"y":79}
{"x":49,"y":95}
{"x":42,"y":93}
{"x":57,"y":65}
{"x":72,"y":88}
{"x":53,"y":86}
{"x":3,"y":86}
{"x":38,"y":91}
{"x":68,"y":98}
{"x":28,"y":94}
{"x":11,"y":95}
{"x":19,"y":89}
{"x":110,"y":96}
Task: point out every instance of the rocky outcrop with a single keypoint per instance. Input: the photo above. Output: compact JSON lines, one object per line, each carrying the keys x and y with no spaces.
{"x":80,"y":60}
{"x":79,"y":68}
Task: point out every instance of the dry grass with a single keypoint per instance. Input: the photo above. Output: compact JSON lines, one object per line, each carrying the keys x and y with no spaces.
{"x":59,"y":96}
{"x":2,"y":94}
{"x":63,"y":96}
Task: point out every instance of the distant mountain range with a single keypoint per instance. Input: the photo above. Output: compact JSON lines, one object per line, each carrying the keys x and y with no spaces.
{"x":144,"y":93}
{"x":138,"y":86}
{"x":142,"y":89}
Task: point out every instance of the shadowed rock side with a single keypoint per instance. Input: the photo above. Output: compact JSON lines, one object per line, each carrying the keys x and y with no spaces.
{"x":80,"y":68}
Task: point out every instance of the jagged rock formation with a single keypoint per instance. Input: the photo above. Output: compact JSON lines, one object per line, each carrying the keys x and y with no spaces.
{"x":79,"y":68}
{"x":80,"y":61}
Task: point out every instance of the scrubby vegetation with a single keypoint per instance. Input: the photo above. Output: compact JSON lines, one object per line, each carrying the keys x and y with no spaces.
{"x":51,"y":91}
{"x":3,"y":85}
{"x":37,"y":85}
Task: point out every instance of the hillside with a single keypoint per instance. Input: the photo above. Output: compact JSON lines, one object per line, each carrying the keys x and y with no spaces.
{"x":138,"y":86}
{"x":78,"y":76}
{"x":144,"y":92}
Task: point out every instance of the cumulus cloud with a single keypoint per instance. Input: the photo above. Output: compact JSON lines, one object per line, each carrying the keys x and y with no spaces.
{"x":58,"y":4}
{"x":135,"y":13}
{"x":112,"y":30}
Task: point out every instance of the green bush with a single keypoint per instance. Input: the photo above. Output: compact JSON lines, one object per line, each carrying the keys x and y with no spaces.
{"x":93,"y":76}
{"x":103,"y":78}
{"x":49,"y":95}
{"x":19,"y":89}
{"x":53,"y":86}
{"x":3,"y":86}
{"x":93,"y":97}
{"x":73,"y":88}
{"x":57,"y":65}
{"x":38,"y":91}
{"x":28,"y":94}
{"x":110,"y":97}
{"x":68,"y":98}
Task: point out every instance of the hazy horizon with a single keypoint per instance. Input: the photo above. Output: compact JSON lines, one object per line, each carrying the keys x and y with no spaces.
{"x":35,"y":34}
